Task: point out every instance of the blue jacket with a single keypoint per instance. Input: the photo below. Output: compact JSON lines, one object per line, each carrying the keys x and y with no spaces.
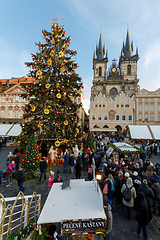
{"x":66,"y":159}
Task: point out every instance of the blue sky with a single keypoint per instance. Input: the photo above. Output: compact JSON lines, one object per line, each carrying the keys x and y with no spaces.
{"x":21,"y":24}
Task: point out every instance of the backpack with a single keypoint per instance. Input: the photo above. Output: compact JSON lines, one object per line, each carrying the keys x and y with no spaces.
{"x":127,"y":194}
{"x":58,"y":179}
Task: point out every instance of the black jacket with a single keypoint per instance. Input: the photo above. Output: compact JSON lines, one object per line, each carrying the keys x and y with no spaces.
{"x":43,"y":165}
{"x":142,"y":210}
{"x":20,"y":176}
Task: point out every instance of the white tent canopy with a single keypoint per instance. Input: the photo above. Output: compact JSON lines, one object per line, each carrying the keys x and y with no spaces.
{"x":139,"y":132}
{"x":125,"y":147}
{"x":156,"y":131}
{"x":4,"y":128}
{"x":82,"y":200}
{"x":15,"y":131}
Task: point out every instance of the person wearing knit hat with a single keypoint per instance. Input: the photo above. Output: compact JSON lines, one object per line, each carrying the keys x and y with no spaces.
{"x":127,"y":174}
{"x":148,"y":192}
{"x":135,"y":173}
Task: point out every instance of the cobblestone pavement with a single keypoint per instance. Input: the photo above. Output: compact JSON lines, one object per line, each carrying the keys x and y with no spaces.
{"x":122,"y":229}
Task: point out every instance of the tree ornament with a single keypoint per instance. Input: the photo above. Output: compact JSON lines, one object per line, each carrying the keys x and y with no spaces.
{"x":77,"y":130}
{"x":62,"y":69}
{"x":33,"y":108}
{"x":47,"y":85}
{"x":65,"y":122}
{"x":46,"y":111}
{"x":58,"y":95}
{"x":57,"y":143}
{"x":39,"y":124}
{"x":39,"y":72}
{"x":53,"y":41}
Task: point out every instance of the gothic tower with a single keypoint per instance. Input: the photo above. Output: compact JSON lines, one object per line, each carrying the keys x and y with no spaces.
{"x":128,"y":67}
{"x":99,"y":67}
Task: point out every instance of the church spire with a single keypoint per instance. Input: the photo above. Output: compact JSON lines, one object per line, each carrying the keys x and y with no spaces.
{"x":100,"y":51}
{"x":128,"y":48}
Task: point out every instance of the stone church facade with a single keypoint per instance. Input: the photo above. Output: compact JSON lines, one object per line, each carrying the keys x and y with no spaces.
{"x":116,"y":85}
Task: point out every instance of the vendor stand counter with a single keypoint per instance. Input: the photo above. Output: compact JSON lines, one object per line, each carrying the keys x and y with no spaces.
{"x":78,"y":206}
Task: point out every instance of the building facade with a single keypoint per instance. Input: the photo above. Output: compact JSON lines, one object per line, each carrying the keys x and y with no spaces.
{"x":11,"y":102}
{"x":147,"y":107}
{"x":116,"y":85}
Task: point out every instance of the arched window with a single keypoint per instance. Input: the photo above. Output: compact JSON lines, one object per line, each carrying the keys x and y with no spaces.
{"x":129,"y":70}
{"x":100,"y":71}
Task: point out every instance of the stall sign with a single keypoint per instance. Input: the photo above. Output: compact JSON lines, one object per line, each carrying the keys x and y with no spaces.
{"x":109,"y":151}
{"x":76,"y":226}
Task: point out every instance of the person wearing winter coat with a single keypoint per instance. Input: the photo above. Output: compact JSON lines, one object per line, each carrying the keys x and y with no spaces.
{"x":9,"y":174}
{"x":129,"y":204}
{"x":108,"y":212}
{"x":43,"y":166}
{"x":111,"y":188}
{"x":148,"y":192}
{"x":50,"y":180}
{"x":142,"y":216}
{"x":21,"y":179}
{"x":78,"y":170}
{"x":72,"y":162}
{"x":156,"y":199}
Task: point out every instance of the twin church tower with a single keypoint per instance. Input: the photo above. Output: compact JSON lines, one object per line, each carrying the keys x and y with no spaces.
{"x":120,"y":78}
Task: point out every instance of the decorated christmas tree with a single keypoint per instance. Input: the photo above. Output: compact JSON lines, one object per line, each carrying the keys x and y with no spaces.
{"x":31,"y":160}
{"x":53,"y":104}
{"x":89,"y":141}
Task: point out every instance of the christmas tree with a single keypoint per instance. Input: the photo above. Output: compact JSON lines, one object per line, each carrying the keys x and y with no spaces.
{"x":89,"y":142}
{"x":31,"y":160}
{"x":52,"y":109}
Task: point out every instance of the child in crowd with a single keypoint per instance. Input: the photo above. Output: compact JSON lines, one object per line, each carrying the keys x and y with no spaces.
{"x":4,"y":176}
{"x":50,"y":180}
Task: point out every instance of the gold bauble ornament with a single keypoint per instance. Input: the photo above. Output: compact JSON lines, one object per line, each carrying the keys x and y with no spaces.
{"x":66,"y":122}
{"x":57,"y":143}
{"x":46,"y":111}
{"x":58,"y":95}
{"x":47,"y":85}
{"x":33,"y":108}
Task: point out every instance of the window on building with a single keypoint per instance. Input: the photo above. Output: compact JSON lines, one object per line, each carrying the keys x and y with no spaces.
{"x":17,"y":98}
{"x":123,"y":117}
{"x":10,"y":98}
{"x":152,"y":107}
{"x":129,"y":70}
{"x":100,"y":71}
{"x":122,"y":105}
{"x":96,"y":105}
{"x":152,"y":100}
{"x":152,"y":118}
{"x":127,"y":106}
{"x":140,"y":117}
{"x":10,"y":114}
{"x":143,"y":93}
{"x":99,"y":117}
{"x":140,"y":99}
{"x":16,"y":114}
{"x":146,"y":99}
{"x":99,"y":105}
{"x":140,"y":107}
{"x":93,"y":117}
{"x":117,"y":118}
{"x":146,"y":117}
{"x":105,"y":117}
{"x":117,"y":105}
{"x":103,"y":105}
{"x":146,"y":107}
{"x":97,"y":70}
{"x":2,"y":114}
{"x":158,"y":99}
{"x":158,"y":118}
{"x":128,"y":87}
{"x":3,"y":99}
{"x":130,"y":118}
{"x":158,"y":107}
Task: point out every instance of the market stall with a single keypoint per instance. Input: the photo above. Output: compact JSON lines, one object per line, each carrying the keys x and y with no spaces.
{"x":128,"y":150}
{"x":77,"y":206}
{"x":156,"y":132}
{"x":139,"y":132}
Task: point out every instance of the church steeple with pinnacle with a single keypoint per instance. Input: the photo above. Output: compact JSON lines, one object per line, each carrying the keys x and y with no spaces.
{"x":100,"y":60}
{"x":128,"y":61}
